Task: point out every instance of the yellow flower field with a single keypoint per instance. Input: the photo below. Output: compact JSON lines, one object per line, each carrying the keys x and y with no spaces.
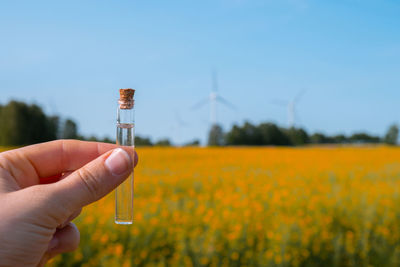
{"x":251,"y":207}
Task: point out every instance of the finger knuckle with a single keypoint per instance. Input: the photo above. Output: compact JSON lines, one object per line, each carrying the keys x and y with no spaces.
{"x":91,"y":183}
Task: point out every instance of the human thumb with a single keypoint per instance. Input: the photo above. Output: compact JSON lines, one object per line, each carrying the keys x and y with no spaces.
{"x":94,"y":180}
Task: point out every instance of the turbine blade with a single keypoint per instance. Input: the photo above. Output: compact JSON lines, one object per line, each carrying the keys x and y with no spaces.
{"x":179,"y":120}
{"x":200,"y":104}
{"x":226,"y":103}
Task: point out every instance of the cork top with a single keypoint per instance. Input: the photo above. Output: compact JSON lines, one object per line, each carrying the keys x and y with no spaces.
{"x":126,"y":98}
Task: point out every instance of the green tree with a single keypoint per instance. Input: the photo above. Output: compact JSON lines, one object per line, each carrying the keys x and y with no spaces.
{"x":248,"y":134}
{"x":142,"y":141}
{"x":216,"y":136}
{"x":340,"y":139}
{"x":272,"y":135}
{"x":54,"y":126}
{"x":257,"y":135}
{"x":319,"y":138}
{"x":236,"y":136}
{"x":364,"y":138}
{"x":163,"y":142}
{"x":297,"y":136}
{"x":70,"y":130}
{"x":23,"y":124}
{"x":108,"y":140}
{"x":91,"y":138}
{"x":252,"y":135}
{"x":392,"y":135}
{"x":195,"y":142}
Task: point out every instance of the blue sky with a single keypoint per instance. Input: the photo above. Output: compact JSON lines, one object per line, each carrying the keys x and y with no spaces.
{"x":72,"y":56}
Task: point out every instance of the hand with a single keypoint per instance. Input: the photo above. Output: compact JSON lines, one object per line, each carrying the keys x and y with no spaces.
{"x":35,"y":218}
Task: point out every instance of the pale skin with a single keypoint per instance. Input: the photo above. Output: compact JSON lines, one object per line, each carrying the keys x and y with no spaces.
{"x":35,"y":218}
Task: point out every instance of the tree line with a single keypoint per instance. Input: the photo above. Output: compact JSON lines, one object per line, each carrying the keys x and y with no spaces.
{"x":24,"y":124}
{"x":265,"y":134}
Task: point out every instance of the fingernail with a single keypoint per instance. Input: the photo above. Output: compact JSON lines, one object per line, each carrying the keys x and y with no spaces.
{"x":53,"y":243}
{"x":118,"y":162}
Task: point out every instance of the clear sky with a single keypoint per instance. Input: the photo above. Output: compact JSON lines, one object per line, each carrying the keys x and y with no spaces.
{"x":72,"y":56}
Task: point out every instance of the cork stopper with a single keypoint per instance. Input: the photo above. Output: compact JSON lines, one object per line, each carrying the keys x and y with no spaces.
{"x":126,"y":98}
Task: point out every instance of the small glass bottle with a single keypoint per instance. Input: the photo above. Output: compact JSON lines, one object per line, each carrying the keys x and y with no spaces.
{"x":125,"y":137}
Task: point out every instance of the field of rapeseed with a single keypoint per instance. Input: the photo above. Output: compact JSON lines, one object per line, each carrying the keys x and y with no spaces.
{"x":251,"y":207}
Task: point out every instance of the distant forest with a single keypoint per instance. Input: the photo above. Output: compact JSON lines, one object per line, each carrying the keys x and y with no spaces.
{"x":24,"y":124}
{"x":267,"y":134}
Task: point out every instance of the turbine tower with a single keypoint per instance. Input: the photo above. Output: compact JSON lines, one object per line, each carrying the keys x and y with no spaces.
{"x":213,"y":100}
{"x":291,"y":107}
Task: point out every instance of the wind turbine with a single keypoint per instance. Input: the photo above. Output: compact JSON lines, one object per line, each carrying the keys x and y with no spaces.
{"x":213,"y":100}
{"x":291,"y":107}
{"x":180,"y":123}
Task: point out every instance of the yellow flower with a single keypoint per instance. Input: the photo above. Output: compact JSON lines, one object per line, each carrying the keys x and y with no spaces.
{"x":272,"y":205}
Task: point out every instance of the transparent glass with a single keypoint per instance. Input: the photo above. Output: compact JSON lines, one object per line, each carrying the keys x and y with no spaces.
{"x":124,"y":192}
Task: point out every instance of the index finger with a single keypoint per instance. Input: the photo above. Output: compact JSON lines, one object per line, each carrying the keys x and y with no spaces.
{"x":52,"y":158}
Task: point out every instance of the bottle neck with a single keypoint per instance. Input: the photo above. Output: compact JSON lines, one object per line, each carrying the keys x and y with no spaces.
{"x":125,"y":115}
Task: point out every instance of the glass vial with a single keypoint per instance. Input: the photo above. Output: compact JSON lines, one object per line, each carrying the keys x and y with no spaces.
{"x":125,"y":137}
